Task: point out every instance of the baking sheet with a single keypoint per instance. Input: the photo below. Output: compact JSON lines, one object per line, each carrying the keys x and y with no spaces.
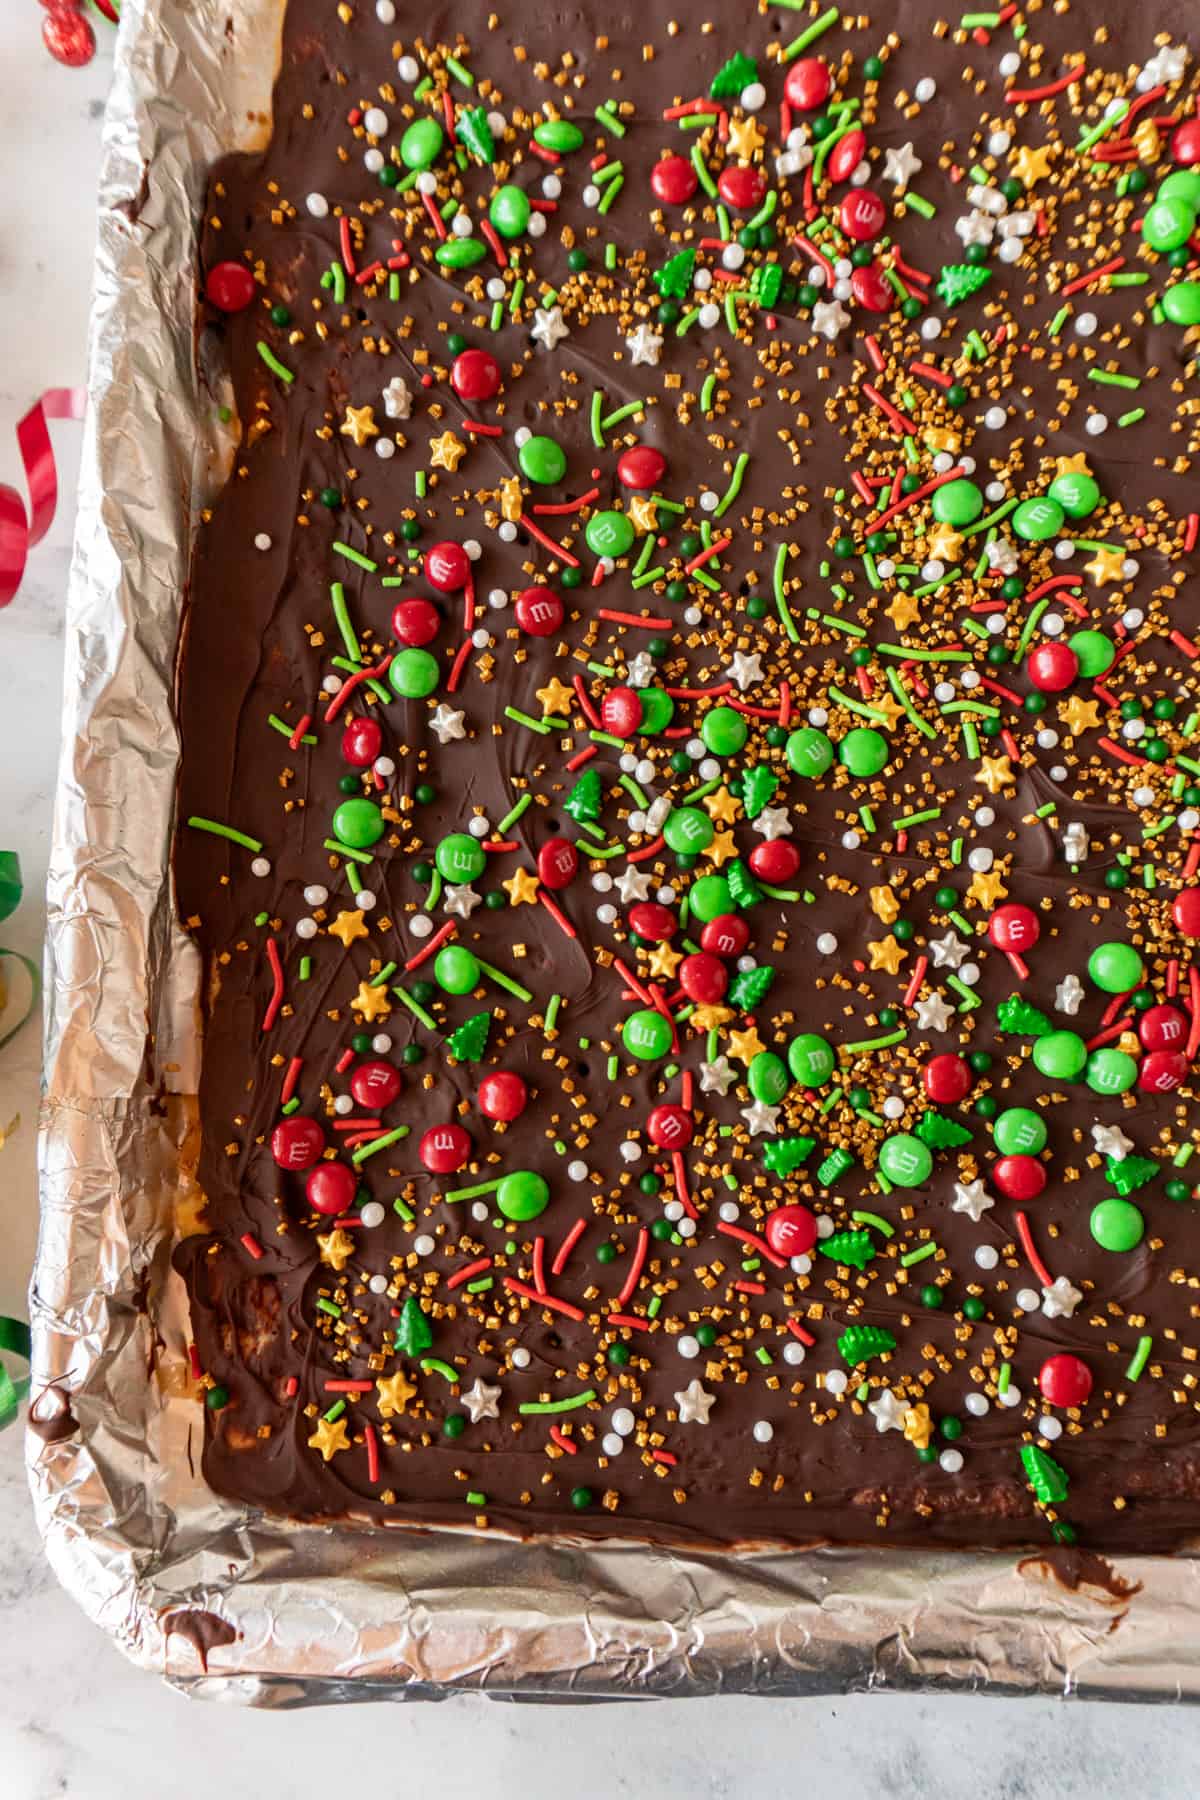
{"x":222,"y":1602}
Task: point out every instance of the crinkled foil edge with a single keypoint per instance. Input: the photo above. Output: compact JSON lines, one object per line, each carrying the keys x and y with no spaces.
{"x":222,"y":1602}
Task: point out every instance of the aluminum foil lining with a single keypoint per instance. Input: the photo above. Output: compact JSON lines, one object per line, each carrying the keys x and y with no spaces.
{"x":222,"y":1602}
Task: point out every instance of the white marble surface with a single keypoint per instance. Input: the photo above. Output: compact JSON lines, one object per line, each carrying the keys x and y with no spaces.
{"x":75,"y":1719}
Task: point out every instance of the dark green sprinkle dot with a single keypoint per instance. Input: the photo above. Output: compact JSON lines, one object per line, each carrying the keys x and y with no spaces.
{"x":495,"y":900}
{"x":618,"y":1355}
{"x":410,"y":531}
{"x":931,"y":1297}
{"x":330,"y":497}
{"x":706,"y":1336}
{"x":887,"y":1017}
{"x":951,"y":1428}
{"x":280,"y":314}
{"x":777,"y":736}
{"x":454,"y":1424}
{"x":973,"y":1307}
{"x":956,"y":395}
{"x":423,"y":992}
{"x":872,"y":68}
{"x":650,"y":1183}
{"x":661,"y":1230}
{"x":217,"y":1398}
{"x":360,"y":1043}
{"x":581,"y":1498}
{"x":412,"y":1054}
{"x":979,"y":1062}
{"x":946,"y":897}
{"x":986,"y":1107}
{"x":904,"y":930}
{"x":571,"y":578}
{"x":606,"y":1253}
{"x":577,"y":261}
{"x":425,"y":795}
{"x":422,"y":874}
{"x":1178,"y":1190}
{"x":928,"y":1454}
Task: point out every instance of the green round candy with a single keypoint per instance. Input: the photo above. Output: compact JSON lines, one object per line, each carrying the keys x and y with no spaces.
{"x":864,"y":751}
{"x":723,"y":730}
{"x":1060,"y":1055}
{"x":522,"y":1195}
{"x":688,"y":830}
{"x":1181,"y":184}
{"x":509,"y":211}
{"x":460,"y":253}
{"x":609,"y":534}
{"x":646,"y":1035}
{"x":809,"y":751}
{"x":1110,"y":1071}
{"x":421,"y":143}
{"x":767,"y":1077}
{"x":1117,"y":1225}
{"x":559,"y":135}
{"x":413,"y":673}
{"x":905,"y":1160}
{"x":1095,"y":652}
{"x":957,"y":503}
{"x":1116,"y":968}
{"x":1037,"y":519}
{"x":811,"y":1059}
{"x":1168,"y":223}
{"x":1181,"y":303}
{"x":455,"y":969}
{"x":1019,"y":1132}
{"x":542,"y":461}
{"x":358,"y":823}
{"x":1076,"y":493}
{"x":709,"y":898}
{"x":460,"y":859}
{"x":658,"y":709}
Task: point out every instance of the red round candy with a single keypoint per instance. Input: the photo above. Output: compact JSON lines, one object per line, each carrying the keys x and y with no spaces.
{"x":670,"y":1127}
{"x":297,"y":1143}
{"x":375,"y":1085}
{"x":703,"y":978}
{"x":1065,"y":1380}
{"x":776,"y":861}
{"x":862,"y":215}
{"x":674,"y":180}
{"x":230,"y":287}
{"x":1019,"y":1177}
{"x":69,"y":37}
{"x":475,"y":375}
{"x":808,"y":84}
{"x":1185,"y":143}
{"x":1162,"y":1028}
{"x":331,"y":1188}
{"x":1052,"y":667}
{"x":1014,"y":929}
{"x":847,"y":154}
{"x":741,"y":187}
{"x":1185,"y":910}
{"x":415,"y":622}
{"x":362,"y":740}
{"x":539,"y":611}
{"x":557,"y":863}
{"x":726,"y":935}
{"x":947,"y":1079}
{"x":503,"y":1095}
{"x":444,"y":1149}
{"x":871,"y":290}
{"x":1162,"y":1071}
{"x":791,"y":1230}
{"x":621,"y":711}
{"x":641,"y":468}
{"x":447,"y":567}
{"x":653,"y":922}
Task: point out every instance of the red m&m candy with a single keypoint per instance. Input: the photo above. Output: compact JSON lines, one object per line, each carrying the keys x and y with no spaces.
{"x":703,"y":978}
{"x":741,"y":187}
{"x":475,"y":375}
{"x":362,"y":740}
{"x":621,"y":711}
{"x":415,"y":622}
{"x":862,"y":215}
{"x":1019,"y":1177}
{"x":229,"y":286}
{"x":1065,"y":1380}
{"x":375,"y":1084}
{"x":539,"y":611}
{"x":674,"y":180}
{"x":1162,"y":1028}
{"x":557,"y":863}
{"x":297,"y":1143}
{"x":791,"y":1230}
{"x":670,"y":1127}
{"x":444,"y":1148}
{"x":447,"y":567}
{"x":1014,"y":929}
{"x":1162,"y":1071}
{"x":1185,"y":910}
{"x":1185,"y":143}
{"x":1052,"y":667}
{"x":848,"y":153}
{"x":776,"y":861}
{"x":653,"y":922}
{"x":331,"y":1188}
{"x":641,"y":468}
{"x":726,"y":935}
{"x":871,"y":290}
{"x":503,"y":1095}
{"x":808,"y":84}
{"x":947,"y":1079}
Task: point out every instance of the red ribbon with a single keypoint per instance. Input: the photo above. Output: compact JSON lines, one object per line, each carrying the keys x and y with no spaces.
{"x":20,"y":532}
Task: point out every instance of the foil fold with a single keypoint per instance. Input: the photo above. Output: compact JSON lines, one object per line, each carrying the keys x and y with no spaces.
{"x":221,"y":1601}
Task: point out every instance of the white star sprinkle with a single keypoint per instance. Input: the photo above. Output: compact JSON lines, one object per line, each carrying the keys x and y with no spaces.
{"x":644,"y":345}
{"x":1060,"y":1299}
{"x":633,"y":885}
{"x":899,"y":166}
{"x":975,"y":228}
{"x":933,"y":1014}
{"x":760,"y":1117}
{"x":1165,"y":66}
{"x":549,"y":326}
{"x":970,"y":1198}
{"x":482,"y":1401}
{"x":1068,"y":995}
{"x":460,"y":902}
{"x":694,"y":1403}
{"x":717,"y":1077}
{"x":949,"y":952}
{"x":640,"y":671}
{"x":1001,"y":555}
{"x":828,"y":318}
{"x":888,"y":1411}
{"x":745,"y":670}
{"x":773,"y":822}
{"x":447,"y":724}
{"x":397,"y":401}
{"x":1110,"y":1140}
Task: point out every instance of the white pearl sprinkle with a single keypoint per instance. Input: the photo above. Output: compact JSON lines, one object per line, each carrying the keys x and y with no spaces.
{"x":376,"y":121}
{"x":315,"y":895}
{"x":986,"y":1256}
{"x":577,"y":1170}
{"x":479,"y":828}
{"x":479,"y":1210}
{"x":925,"y":89}
{"x":981,"y":860}
{"x":1049,"y":1428}
{"x":951,"y":1461}
{"x":709,"y":315}
{"x":686,"y":1228}
{"x":1010,"y":1397}
{"x":764,"y":1431}
{"x":385,"y":12}
{"x":385,"y":448}
{"x":343,"y":1104}
{"x":372,"y":1214}
{"x":630,"y":1151}
{"x":425,"y":1245}
{"x":1096,"y":424}
{"x":606,"y":913}
{"x":673,"y":1210}
{"x":1010,"y":64}
{"x":381,"y":1043}
{"x":985,"y":816}
{"x":827,"y":944}
{"x":976,"y":1405}
{"x":728,"y":1211}
{"x":427,"y":183}
{"x":611,"y":1444}
{"x":262,"y":541}
{"x":332,"y":684}
{"x":602,"y":881}
{"x":1086,"y":324}
{"x":688,"y":1346}
{"x":384,"y":766}
{"x":420,"y":925}
{"x":551,"y":188}
{"x":378,"y":1284}
{"x":260,"y":866}
{"x":306,"y":928}
{"x":520,"y":1358}
{"x":754,"y":96}
{"x":364,"y":900}
{"x":793,"y":1354}
{"x":318,"y":206}
{"x":408,"y":68}
{"x":995,"y":418}
{"x":1029,"y":1300}
{"x":999,"y":143}
{"x":893,"y":1107}
{"x":836,"y":1381}
{"x":507,"y":532}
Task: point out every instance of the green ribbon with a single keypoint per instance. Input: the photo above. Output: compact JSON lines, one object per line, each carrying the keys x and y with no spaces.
{"x":14,"y":1337}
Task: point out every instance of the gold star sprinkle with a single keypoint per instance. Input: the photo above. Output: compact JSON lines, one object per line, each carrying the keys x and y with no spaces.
{"x":987,"y":889}
{"x":1030,"y":166}
{"x":509,"y":494}
{"x":336,"y":1247}
{"x":663,"y":961}
{"x":371,"y":1002}
{"x":1079,"y":715}
{"x":887,"y":953}
{"x":359,"y":424}
{"x":722,"y":806}
{"x":348,"y":926}
{"x":745,"y":1045}
{"x":722,"y":849}
{"x":642,"y":513}
{"x":521,"y":888}
{"x":903,"y":610}
{"x":446,"y":452}
{"x":918,"y":1426}
{"x":394,"y":1394}
{"x":1106,"y":566}
{"x":745,"y":138}
{"x":1072,"y":465}
{"x":709,"y":1018}
{"x":944,"y":543}
{"x":329,"y":1437}
{"x":995,"y":773}
{"x":884,"y":904}
{"x":555,"y":697}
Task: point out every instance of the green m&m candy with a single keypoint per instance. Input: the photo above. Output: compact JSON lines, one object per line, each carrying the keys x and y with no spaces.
{"x":559,"y":135}
{"x":1117,"y":1225}
{"x":1181,"y":303}
{"x":358,"y":823}
{"x":1095,"y":652}
{"x":421,"y":143}
{"x":723,"y":730}
{"x":709,"y":898}
{"x":809,"y":751}
{"x":1116,"y":968}
{"x":455,"y":969}
{"x":1076,"y":493}
{"x":1181,"y":184}
{"x":1037,"y":519}
{"x":864,"y":751}
{"x":1110,"y":1071}
{"x":542,"y":461}
{"x":1168,"y":223}
{"x":767,"y":1077}
{"x":1019,"y":1131}
{"x":688,"y":830}
{"x":522,"y":1196}
{"x":811,"y":1059}
{"x":609,"y":534}
{"x":957,"y":503}
{"x":905,"y":1160}
{"x":460,"y":859}
{"x":509,"y":211}
{"x":1060,"y":1055}
{"x":460,"y":253}
{"x":646,"y":1035}
{"x":413,"y":673}
{"x":658,"y":709}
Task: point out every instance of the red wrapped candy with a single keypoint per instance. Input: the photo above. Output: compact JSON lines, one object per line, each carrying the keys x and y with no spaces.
{"x":947,"y":1079}
{"x":375,"y":1085}
{"x":298,"y":1142}
{"x":331,"y":1188}
{"x":1185,"y":144}
{"x":503,"y":1095}
{"x":791,"y":1230}
{"x":362,"y":740}
{"x":1065,"y":1380}
{"x":674,"y":180}
{"x":475,"y":375}
{"x":229,"y":287}
{"x":444,"y":1149}
{"x":670,"y":1127}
